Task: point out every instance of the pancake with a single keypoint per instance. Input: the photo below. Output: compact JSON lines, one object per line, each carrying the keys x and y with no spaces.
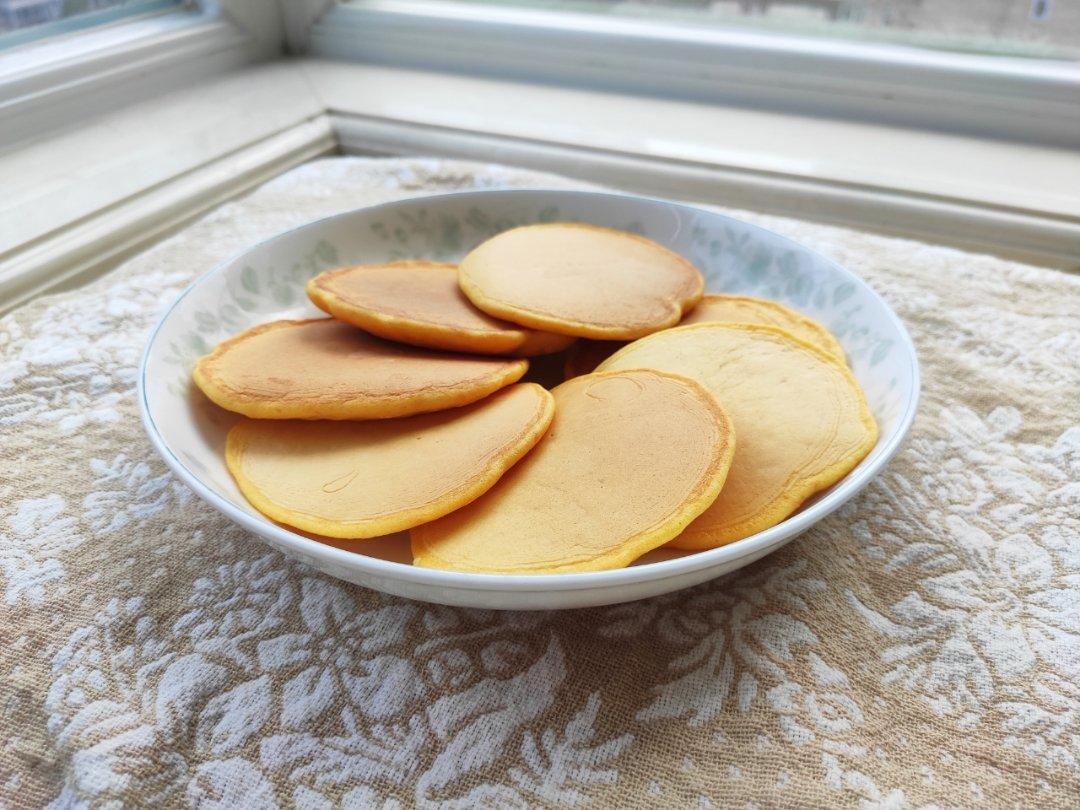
{"x":365,"y":479}
{"x":586,"y":355}
{"x":580,"y":280}
{"x":801,"y":418}
{"x":630,"y":459}
{"x":326,"y":369}
{"x":747,"y":309}
{"x":420,"y":303}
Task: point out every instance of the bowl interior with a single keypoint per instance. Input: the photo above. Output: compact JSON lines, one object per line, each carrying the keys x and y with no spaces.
{"x":267,"y":283}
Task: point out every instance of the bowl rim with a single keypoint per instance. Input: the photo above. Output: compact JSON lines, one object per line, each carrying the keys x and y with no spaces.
{"x":329,"y":555}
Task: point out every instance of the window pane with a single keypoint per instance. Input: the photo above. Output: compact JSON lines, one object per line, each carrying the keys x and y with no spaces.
{"x":1047,"y":28}
{"x":23,"y":21}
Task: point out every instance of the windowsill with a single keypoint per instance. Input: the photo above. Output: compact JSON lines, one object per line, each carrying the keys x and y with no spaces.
{"x":46,"y":86}
{"x":69,"y":176}
{"x":1032,"y":178}
{"x":79,"y":201}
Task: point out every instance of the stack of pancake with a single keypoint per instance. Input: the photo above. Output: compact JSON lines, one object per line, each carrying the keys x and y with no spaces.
{"x":684,"y":419}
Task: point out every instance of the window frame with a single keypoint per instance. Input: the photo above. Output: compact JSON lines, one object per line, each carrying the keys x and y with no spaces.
{"x":116,"y":89}
{"x":1031,"y":100}
{"x":50,"y":84}
{"x":83,"y":21}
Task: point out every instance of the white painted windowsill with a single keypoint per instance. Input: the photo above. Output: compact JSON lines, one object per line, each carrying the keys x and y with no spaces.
{"x":77,"y":202}
{"x":989,"y":196}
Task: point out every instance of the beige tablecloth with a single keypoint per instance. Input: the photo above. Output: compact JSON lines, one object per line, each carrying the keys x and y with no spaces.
{"x":919,"y":648}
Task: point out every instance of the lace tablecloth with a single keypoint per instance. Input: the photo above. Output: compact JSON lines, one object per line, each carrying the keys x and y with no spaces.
{"x":920,"y":647}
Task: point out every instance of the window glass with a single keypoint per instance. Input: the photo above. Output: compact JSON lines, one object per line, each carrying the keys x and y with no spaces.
{"x":1048,"y":28}
{"x":24,"y":21}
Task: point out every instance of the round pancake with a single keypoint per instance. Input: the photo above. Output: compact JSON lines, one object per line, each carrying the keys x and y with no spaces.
{"x":326,"y":369}
{"x":747,"y":309}
{"x":420,"y":303}
{"x":630,"y":459}
{"x":365,"y":479}
{"x":801,"y":418}
{"x":580,"y":280}
{"x":586,"y":355}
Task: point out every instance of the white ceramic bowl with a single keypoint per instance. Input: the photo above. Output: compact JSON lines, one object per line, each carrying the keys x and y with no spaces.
{"x":266,"y":282}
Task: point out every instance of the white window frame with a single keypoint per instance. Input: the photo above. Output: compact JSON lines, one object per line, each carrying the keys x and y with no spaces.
{"x":112,"y":137}
{"x":54,"y":83}
{"x":1032,"y":100}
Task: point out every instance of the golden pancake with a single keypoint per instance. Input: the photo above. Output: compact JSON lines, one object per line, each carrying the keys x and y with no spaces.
{"x":801,"y":418}
{"x":580,"y":280}
{"x":747,"y":309}
{"x":420,"y":303}
{"x":365,"y":479}
{"x":630,"y":459}
{"x":326,"y":369}
{"x":586,"y":355}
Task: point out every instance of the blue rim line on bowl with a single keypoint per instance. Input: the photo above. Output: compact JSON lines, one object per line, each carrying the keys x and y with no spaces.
{"x":538,"y":583}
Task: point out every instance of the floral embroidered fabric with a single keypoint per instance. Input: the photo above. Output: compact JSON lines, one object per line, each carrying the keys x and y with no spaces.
{"x":920,"y":647}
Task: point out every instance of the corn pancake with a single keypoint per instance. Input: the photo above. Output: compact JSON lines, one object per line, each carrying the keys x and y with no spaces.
{"x":748,"y":309}
{"x":326,"y":369}
{"x":586,"y":355}
{"x":630,"y":459}
{"x":580,"y":280}
{"x":801,"y":418}
{"x":420,"y":303}
{"x":366,"y":479}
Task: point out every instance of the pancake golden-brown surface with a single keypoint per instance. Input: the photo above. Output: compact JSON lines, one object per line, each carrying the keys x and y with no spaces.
{"x":326,"y":369}
{"x":586,"y":355}
{"x":801,"y":419}
{"x":747,"y":309}
{"x":365,"y":479}
{"x":630,"y":459}
{"x":580,"y":280}
{"x":420,"y":302}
